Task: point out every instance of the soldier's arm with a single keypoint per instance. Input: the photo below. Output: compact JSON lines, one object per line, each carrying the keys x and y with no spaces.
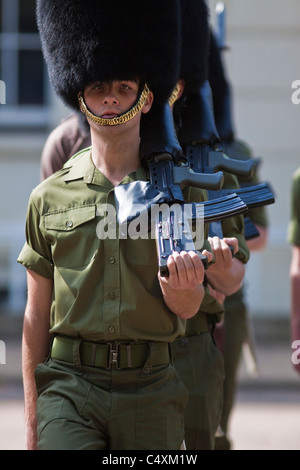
{"x":35,"y":346}
{"x":259,"y":243}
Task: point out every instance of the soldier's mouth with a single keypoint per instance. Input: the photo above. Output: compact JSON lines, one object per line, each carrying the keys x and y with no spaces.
{"x":109,"y":115}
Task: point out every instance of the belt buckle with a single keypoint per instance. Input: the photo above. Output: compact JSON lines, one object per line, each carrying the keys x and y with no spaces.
{"x":113,"y":355}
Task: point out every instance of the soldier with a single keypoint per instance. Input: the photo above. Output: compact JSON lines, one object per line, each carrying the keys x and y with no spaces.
{"x":294,"y":240}
{"x":96,"y":306}
{"x":233,"y":332}
{"x":196,"y":357}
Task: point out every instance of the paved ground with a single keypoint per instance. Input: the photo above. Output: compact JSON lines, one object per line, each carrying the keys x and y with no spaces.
{"x":266,"y":415}
{"x":267,"y":411}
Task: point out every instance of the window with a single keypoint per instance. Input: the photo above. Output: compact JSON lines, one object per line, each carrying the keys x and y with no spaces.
{"x":22,"y":67}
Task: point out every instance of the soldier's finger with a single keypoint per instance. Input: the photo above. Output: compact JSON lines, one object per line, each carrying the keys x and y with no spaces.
{"x":232,"y":242}
{"x":171,"y":267}
{"x":215,"y":243}
{"x":181,"y":262}
{"x":198,"y":269}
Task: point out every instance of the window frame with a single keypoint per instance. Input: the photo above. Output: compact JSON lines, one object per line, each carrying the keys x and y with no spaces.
{"x":12,"y":41}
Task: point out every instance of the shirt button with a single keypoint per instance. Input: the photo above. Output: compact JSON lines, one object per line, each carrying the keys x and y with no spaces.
{"x":111,"y":329}
{"x":112,"y":260}
{"x":111,"y":295}
{"x":69,"y":224}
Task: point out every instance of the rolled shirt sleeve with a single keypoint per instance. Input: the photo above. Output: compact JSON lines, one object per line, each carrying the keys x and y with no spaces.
{"x":36,"y":252}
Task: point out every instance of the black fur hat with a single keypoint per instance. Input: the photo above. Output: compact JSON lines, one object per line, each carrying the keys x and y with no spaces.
{"x":195,"y":42}
{"x":216,"y":72}
{"x":221,"y":92}
{"x":91,"y":40}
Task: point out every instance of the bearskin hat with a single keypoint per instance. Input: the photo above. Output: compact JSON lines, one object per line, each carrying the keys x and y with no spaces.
{"x":195,"y":42}
{"x":91,"y":40}
{"x":221,"y":91}
{"x":216,"y":72}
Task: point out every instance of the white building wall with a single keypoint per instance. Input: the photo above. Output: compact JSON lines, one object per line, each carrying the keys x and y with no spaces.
{"x":20,"y":154}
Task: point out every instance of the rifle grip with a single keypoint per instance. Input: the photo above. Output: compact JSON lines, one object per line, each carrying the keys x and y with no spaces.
{"x":187,"y":177}
{"x":220,"y":161}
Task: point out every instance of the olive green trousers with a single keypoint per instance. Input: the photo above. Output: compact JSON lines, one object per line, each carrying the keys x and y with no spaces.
{"x":200,"y":366}
{"x":99,"y":409}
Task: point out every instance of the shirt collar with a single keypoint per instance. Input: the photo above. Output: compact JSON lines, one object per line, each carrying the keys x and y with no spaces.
{"x":82,"y":167}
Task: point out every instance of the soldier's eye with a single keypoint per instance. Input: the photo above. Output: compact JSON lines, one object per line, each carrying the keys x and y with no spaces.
{"x":124,"y":86}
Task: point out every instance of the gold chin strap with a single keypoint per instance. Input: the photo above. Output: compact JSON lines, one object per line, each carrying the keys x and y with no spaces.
{"x":174,"y":95}
{"x":119,"y":119}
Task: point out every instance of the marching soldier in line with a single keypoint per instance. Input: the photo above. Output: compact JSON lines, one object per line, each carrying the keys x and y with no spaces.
{"x":203,"y":414}
{"x":294,"y":240}
{"x":97,"y":307}
{"x":209,"y":363}
{"x":196,"y":357}
{"x":234,"y":331}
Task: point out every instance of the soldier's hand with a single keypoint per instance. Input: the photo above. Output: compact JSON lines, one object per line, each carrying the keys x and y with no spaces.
{"x":222,"y":252}
{"x":186,"y":270}
{"x":183,"y":289}
{"x":216,"y":294}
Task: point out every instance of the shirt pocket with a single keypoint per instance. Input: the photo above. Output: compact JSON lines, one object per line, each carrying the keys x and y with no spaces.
{"x":141,"y":252}
{"x":72,"y":235}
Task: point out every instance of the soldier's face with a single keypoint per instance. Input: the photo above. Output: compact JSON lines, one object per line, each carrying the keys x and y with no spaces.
{"x":110,"y":99}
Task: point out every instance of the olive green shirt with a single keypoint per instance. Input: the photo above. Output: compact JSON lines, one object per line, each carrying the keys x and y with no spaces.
{"x":104,"y":289}
{"x":294,"y":225}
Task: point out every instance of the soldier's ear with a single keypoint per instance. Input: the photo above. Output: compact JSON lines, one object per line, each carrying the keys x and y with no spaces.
{"x":148,"y":104}
{"x":182,"y":86}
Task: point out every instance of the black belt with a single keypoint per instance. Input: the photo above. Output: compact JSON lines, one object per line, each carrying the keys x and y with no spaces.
{"x":120,"y":354}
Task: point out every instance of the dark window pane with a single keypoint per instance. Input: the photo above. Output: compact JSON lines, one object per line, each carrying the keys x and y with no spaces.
{"x":31,"y":78}
{"x":27,"y":21}
{"x":1,"y":16}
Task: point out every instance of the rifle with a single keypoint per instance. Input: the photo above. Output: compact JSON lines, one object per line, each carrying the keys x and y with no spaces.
{"x":203,"y":145}
{"x":255,"y":196}
{"x":163,"y":173}
{"x":165,"y":191}
{"x":162,"y":153}
{"x":250,"y":229}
